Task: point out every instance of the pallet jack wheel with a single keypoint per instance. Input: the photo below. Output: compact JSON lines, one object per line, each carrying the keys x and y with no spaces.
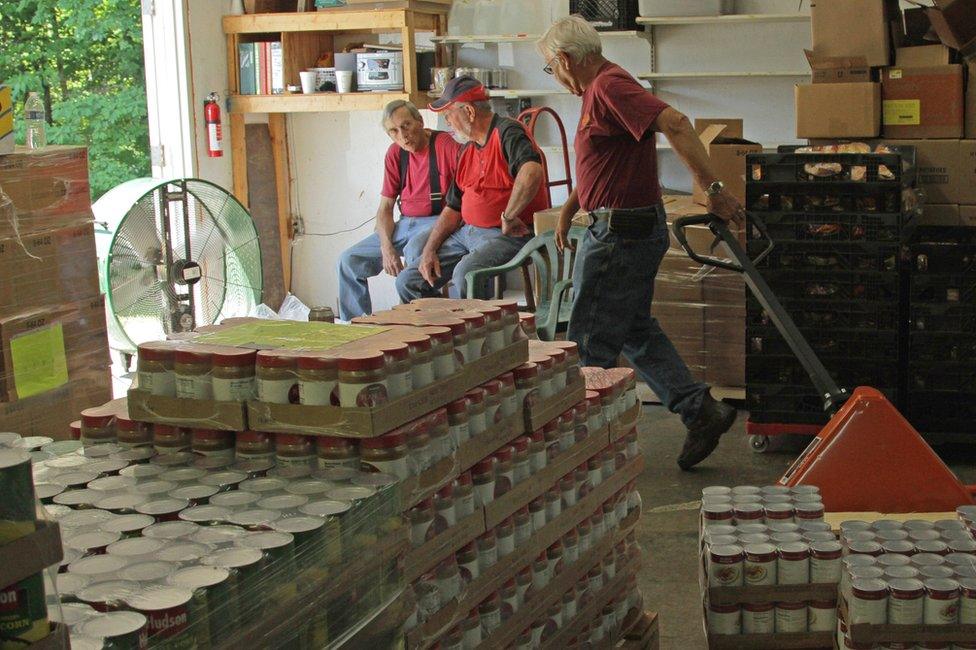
{"x":759,"y":444}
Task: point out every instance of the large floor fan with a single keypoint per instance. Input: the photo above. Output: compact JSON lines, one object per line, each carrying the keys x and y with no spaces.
{"x":174,"y":255}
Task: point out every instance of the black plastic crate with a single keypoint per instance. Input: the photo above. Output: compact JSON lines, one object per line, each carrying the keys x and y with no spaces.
{"x":935,"y":347}
{"x":951,"y":377}
{"x":823,"y":199}
{"x":832,"y":314}
{"x":787,"y":227}
{"x":607,"y":15}
{"x":943,"y":235}
{"x":786,"y":166}
{"x":829,"y":344}
{"x":929,"y":258}
{"x":784,"y":370}
{"x":828,"y":256}
{"x":943,"y":317}
{"x":943,"y":289}
{"x":792,"y":404}
{"x":833,"y":286}
{"x":941,"y":411}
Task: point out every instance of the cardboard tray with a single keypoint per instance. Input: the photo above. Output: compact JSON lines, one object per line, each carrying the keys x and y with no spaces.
{"x":549,"y":409}
{"x":488,"y":442}
{"x":417,"y":488}
{"x":795,"y":641}
{"x":25,"y":556}
{"x":422,"y":559}
{"x":911,"y":634}
{"x":225,"y":416}
{"x":368,"y":423}
{"x":625,"y":423}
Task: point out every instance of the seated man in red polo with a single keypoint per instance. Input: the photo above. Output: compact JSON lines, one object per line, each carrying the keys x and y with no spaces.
{"x":489,"y":208}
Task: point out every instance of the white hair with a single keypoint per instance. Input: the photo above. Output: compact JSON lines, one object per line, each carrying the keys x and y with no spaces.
{"x":396,"y":105}
{"x":572,"y":35}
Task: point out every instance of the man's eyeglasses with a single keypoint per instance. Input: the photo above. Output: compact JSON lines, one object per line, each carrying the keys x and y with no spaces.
{"x":548,"y":67}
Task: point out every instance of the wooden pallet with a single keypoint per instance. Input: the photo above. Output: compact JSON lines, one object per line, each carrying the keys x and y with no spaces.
{"x":643,"y":634}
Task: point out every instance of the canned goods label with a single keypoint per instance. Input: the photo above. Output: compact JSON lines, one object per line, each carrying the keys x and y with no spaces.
{"x":399,"y":384}
{"x":233,"y":390}
{"x":423,"y":374}
{"x":23,"y":612}
{"x":194,"y":387}
{"x":157,"y":383}
{"x":275,"y":391}
{"x":365,"y":396}
{"x":446,"y":364}
{"x":316,"y":393}
{"x":762,"y":622}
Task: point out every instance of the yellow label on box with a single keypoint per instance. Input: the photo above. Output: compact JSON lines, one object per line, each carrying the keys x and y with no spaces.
{"x":39,"y":362}
{"x":902,"y":112}
{"x":288,"y":335}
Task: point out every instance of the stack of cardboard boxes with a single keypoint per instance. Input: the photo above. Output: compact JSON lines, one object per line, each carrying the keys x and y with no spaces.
{"x":53,"y":347}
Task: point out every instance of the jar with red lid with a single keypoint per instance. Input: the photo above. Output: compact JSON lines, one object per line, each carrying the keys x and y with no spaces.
{"x":594,"y":410}
{"x":477,"y":411}
{"x":633,"y":497}
{"x":334,"y":451}
{"x":471,"y":627}
{"x":585,"y":532}
{"x":276,"y":376}
{"x":421,"y":358}
{"x":444,"y":361}
{"x":254,"y":445}
{"x":441,"y":443}
{"x":418,"y":442}
{"x":566,"y":424}
{"x":131,"y":434}
{"x":610,"y":567}
{"x":509,"y":319}
{"x":580,"y":422}
{"x":527,"y":324}
{"x":97,"y":426}
{"x":490,"y":612}
{"x":447,"y":577}
{"x":505,"y":535}
{"x":468,"y":563}
{"x":608,"y":464}
{"x":521,"y":466}
{"x":510,"y":600}
{"x":214,"y":443}
{"x":546,"y":366}
{"x":537,"y":508}
{"x":598,"y":524}
{"x":493,"y":402}
{"x":559,"y":367}
{"x":555,"y":554}
{"x":387,"y":454}
{"x":494,"y":321}
{"x":630,"y":440}
{"x":504,"y":471}
{"x":523,"y":582}
{"x":551,"y":432}
{"x":294,"y":451}
{"x":458,"y":419}
{"x":318,"y":380}
{"x":421,"y":519}
{"x":594,"y":471}
{"x":168,"y":439}
{"x":619,"y":450}
{"x":509,"y":398}
{"x":941,"y":602}
{"x":487,"y":551}
{"x":154,"y":368}
{"x":594,"y":579}
{"x":568,"y":491}
{"x":483,"y":479}
{"x":523,"y":525}
{"x":538,"y":457}
{"x":444,"y":507}
{"x":528,"y":379}
{"x":399,"y":372}
{"x":477,"y":334}
{"x":74,"y":430}
{"x":554,"y":504}
{"x":609,"y":515}
{"x":464,"y":501}
{"x":540,"y":572}
{"x":233,"y":374}
{"x":363,"y":379}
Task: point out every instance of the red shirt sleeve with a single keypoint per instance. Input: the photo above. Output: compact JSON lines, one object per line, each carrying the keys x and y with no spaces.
{"x":629,"y":104}
{"x":391,"y":173}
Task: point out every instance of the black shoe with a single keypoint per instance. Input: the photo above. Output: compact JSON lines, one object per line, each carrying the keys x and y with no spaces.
{"x":704,"y":433}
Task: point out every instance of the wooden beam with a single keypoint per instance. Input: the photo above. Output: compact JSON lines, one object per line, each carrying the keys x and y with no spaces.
{"x":298,"y":103}
{"x":409,"y":37}
{"x":315,"y":21}
{"x":277,"y":126}
{"x":238,"y":154}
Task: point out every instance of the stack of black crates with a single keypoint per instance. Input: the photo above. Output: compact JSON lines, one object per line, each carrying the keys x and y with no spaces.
{"x":941,"y":368}
{"x":838,"y":222}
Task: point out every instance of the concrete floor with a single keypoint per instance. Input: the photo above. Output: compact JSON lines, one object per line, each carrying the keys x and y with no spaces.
{"x":668,"y":530}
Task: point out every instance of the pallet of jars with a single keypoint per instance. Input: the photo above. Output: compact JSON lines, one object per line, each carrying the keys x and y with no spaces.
{"x":499,"y":481}
{"x":28,"y":545}
{"x":616,"y":389}
{"x":141,"y":535}
{"x":769,"y":569}
{"x":575,"y":498}
{"x":909,"y":580}
{"x":643,"y":633}
{"x":291,"y":377}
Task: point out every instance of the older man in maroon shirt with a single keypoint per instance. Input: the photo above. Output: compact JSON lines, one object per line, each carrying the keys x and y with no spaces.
{"x":617,"y":183}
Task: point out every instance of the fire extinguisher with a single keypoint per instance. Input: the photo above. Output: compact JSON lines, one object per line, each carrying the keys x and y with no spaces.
{"x":215,"y":134}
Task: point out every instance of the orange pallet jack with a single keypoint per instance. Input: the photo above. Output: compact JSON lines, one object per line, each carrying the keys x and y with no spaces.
{"x":867,"y":458}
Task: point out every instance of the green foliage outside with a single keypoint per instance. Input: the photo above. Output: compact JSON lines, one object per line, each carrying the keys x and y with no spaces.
{"x":85,"y":58}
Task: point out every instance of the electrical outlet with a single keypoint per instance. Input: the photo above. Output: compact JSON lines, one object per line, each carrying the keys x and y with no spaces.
{"x":297,"y":226}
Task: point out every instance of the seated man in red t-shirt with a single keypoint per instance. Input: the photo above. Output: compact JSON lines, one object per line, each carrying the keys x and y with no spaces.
{"x":489,"y":210}
{"x":420,"y":165}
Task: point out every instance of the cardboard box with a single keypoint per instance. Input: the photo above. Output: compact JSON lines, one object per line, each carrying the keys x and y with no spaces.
{"x":6,"y":120}
{"x":50,"y":413}
{"x":49,"y":188}
{"x":922,"y":57}
{"x":838,"y":69}
{"x":30,"y":554}
{"x":57,"y":266}
{"x":923,"y":102}
{"x":851,"y":28}
{"x":683,"y":323}
{"x":938,"y":215}
{"x":970,"y":100}
{"x":546,"y":220}
{"x":946,"y":169}
{"x":727,"y":151}
{"x":539,"y":413}
{"x":844,"y":110}
{"x":42,"y":348}
{"x":677,"y":279}
{"x":967,"y":216}
{"x":955,"y":23}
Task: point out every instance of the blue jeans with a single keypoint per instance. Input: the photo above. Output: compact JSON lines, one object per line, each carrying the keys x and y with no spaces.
{"x":614,"y":285}
{"x":362,"y":261}
{"x":469,"y":248}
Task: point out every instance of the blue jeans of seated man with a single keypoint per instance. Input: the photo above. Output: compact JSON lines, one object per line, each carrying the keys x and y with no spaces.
{"x":469,"y":248}
{"x":363,"y":260}
{"x":614,"y":285}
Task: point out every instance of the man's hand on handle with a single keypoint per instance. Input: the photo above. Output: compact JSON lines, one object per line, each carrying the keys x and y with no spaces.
{"x":725,"y":206}
{"x":392,"y":263}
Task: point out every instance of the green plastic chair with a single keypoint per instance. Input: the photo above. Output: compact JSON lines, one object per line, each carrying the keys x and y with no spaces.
{"x":550,"y":300}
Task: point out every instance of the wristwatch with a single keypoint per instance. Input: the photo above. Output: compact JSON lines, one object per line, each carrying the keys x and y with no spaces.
{"x":714,"y":188}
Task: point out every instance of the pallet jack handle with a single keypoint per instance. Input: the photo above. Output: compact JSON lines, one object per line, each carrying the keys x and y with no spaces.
{"x":833,"y":395}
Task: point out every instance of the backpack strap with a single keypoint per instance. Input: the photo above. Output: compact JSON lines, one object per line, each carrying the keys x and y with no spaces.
{"x":436,"y":194}
{"x":404,"y":169}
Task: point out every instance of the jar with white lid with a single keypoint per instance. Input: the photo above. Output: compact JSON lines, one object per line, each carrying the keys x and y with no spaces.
{"x":906,"y":602}
{"x":825,"y":562}
{"x":758,"y":618}
{"x":886,"y":560}
{"x":934,"y":546}
{"x":791,"y":618}
{"x":869,"y":601}
{"x":793,"y":564}
{"x":941,"y":601}
{"x":900,"y":547}
{"x":822,"y":615}
{"x":899,"y":573}
{"x":725,"y":566}
{"x":724,"y":619}
{"x":760,"y":565}
{"x":921,"y":560}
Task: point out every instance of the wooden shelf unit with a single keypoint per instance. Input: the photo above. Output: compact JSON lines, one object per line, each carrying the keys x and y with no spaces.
{"x":728,"y":19}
